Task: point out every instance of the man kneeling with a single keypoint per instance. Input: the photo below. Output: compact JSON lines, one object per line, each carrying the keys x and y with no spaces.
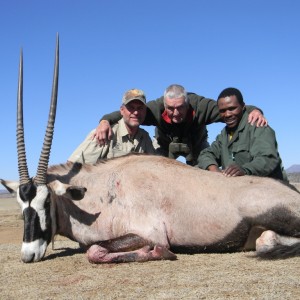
{"x":241,"y":149}
{"x":127,"y":135}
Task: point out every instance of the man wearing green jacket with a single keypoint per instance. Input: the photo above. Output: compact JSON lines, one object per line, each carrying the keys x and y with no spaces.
{"x":180,"y":119}
{"x":241,"y":149}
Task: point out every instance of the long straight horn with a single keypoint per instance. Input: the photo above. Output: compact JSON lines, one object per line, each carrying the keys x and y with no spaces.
{"x":41,"y":174}
{"x":22,"y":163}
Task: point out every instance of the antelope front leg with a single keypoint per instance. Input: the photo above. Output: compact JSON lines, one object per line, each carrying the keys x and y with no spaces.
{"x":129,"y":248}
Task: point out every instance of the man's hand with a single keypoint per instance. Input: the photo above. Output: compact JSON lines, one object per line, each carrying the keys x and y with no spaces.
{"x":103,"y":133}
{"x":233,"y":171}
{"x":258,"y":117}
{"x":213,"y":168}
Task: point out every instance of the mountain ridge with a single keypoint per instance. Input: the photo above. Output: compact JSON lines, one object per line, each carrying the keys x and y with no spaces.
{"x":293,"y":169}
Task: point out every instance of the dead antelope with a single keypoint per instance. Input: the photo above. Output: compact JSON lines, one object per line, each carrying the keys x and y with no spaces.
{"x":140,"y":208}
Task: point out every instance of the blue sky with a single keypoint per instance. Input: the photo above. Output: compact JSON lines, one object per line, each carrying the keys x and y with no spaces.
{"x":108,"y":47}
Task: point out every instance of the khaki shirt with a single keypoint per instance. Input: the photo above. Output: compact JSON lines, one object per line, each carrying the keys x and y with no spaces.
{"x":89,"y":150}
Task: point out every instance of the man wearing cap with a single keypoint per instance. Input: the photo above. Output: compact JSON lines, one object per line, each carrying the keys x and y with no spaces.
{"x":127,"y":137}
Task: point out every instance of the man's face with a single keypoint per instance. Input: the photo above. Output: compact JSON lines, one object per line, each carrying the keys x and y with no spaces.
{"x":176,"y":109}
{"x":133,"y":113}
{"x":231,"y":111}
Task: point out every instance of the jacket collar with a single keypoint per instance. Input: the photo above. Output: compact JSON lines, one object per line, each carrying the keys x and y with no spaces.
{"x":241,"y":126}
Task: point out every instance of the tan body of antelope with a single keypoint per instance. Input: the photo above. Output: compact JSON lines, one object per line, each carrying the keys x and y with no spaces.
{"x":140,"y":207}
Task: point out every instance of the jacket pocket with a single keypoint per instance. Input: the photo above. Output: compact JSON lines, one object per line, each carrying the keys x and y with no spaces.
{"x":241,"y":154}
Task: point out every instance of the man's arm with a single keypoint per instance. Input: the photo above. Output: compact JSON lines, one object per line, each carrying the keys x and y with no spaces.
{"x":256,"y":115}
{"x":210,"y":158}
{"x":112,"y":118}
{"x":153,"y":113}
{"x":103,"y":131}
{"x":213,"y":168}
{"x":234,"y":170}
{"x":88,"y":151}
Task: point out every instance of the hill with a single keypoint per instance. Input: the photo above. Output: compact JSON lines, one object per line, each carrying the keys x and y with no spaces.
{"x":293,"y":169}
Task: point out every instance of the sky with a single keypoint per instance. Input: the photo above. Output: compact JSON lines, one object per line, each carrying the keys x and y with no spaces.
{"x":108,"y":47}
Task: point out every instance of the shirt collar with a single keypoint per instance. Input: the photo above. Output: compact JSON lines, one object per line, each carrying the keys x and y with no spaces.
{"x":123,"y":130}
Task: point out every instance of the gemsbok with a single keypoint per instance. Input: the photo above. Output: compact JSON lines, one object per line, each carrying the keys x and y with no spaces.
{"x":141,"y":208}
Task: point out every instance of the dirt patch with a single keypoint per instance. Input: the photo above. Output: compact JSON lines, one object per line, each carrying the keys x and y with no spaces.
{"x":65,"y":273}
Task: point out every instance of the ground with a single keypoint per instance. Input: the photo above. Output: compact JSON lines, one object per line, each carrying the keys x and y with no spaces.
{"x":65,"y":273}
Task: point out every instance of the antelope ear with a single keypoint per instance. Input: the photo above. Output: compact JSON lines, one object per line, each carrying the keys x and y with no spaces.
{"x":11,"y":186}
{"x":75,"y":192}
{"x":71,"y":192}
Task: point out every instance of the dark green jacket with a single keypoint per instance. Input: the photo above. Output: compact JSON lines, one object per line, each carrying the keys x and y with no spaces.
{"x":252,"y":148}
{"x":193,"y":131}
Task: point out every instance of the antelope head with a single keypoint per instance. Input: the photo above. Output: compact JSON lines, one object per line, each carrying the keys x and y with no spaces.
{"x":33,"y":194}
